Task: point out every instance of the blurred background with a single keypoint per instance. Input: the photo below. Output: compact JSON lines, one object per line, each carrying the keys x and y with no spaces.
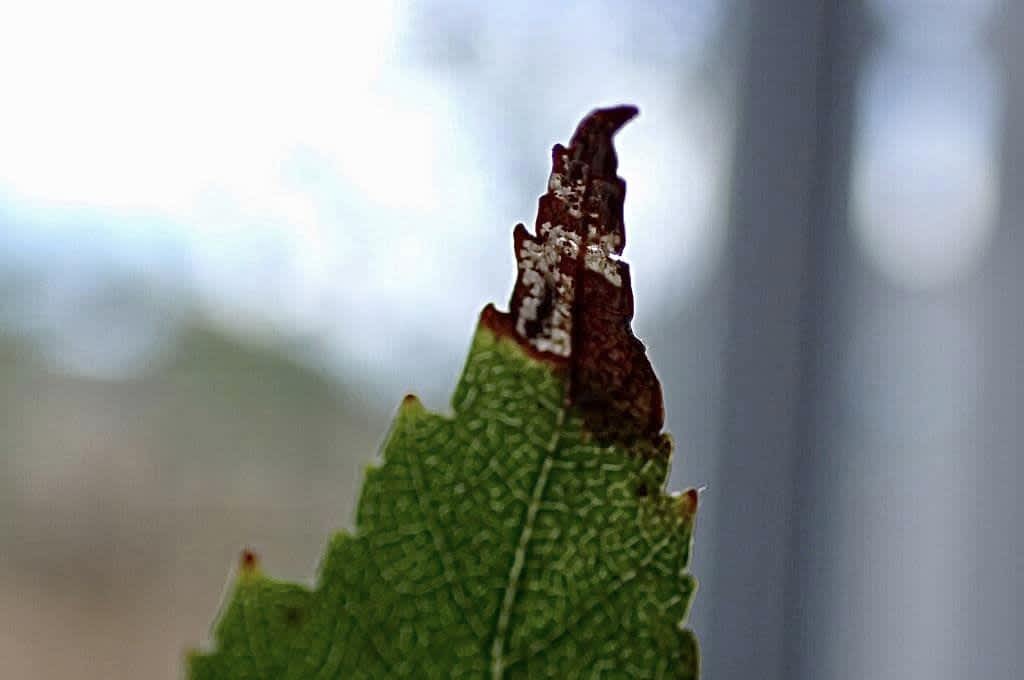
{"x":233,"y":235}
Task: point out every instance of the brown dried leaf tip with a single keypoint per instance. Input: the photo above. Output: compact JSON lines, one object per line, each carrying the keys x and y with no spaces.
{"x":248,"y":563}
{"x":573,"y":302}
{"x":688,"y":502}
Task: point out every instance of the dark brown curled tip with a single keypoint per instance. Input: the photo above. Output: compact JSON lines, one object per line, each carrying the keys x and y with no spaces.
{"x":573,"y":302}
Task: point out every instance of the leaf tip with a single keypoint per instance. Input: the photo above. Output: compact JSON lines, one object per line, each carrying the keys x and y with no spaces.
{"x":248,"y":564}
{"x":688,"y":502}
{"x":411,"y":403}
{"x":572,"y":302}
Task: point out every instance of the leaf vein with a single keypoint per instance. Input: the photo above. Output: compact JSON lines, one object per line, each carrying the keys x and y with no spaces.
{"x":441,"y":549}
{"x":582,"y":614}
{"x":498,"y":662}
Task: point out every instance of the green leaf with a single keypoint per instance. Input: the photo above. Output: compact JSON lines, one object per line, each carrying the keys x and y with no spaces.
{"x":527,"y":534}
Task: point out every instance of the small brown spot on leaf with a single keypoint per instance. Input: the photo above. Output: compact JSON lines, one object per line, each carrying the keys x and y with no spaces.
{"x":688,"y":503}
{"x":249,"y":562}
{"x":293,"y":616}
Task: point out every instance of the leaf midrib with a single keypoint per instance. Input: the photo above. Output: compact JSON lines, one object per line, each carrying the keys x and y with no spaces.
{"x":498,"y":663}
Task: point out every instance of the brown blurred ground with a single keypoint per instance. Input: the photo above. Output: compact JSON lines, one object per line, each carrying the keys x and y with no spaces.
{"x":123,"y":505}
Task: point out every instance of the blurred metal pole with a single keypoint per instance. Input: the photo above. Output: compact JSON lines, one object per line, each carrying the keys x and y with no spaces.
{"x":788,"y":214}
{"x":994,"y":625}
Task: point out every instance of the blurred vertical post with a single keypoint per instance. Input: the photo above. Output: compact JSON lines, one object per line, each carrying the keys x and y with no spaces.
{"x":993,"y":627}
{"x":788,"y":210}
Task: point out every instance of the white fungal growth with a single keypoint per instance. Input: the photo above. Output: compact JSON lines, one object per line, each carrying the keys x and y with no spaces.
{"x":539,"y":262}
{"x":545,"y":277}
{"x":568,"y":192}
{"x":610,"y":242}
{"x":597,"y":259}
{"x":599,"y":256}
{"x":556,"y":331}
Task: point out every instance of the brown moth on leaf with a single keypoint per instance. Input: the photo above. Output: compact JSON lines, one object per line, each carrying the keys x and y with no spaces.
{"x":573,"y":300}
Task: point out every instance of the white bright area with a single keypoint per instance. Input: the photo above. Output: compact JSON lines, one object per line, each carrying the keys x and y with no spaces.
{"x":324,"y":176}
